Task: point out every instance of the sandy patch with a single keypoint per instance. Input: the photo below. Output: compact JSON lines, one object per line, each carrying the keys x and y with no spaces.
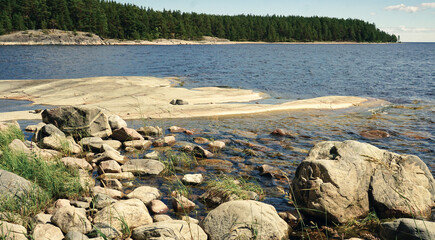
{"x":149,"y":97}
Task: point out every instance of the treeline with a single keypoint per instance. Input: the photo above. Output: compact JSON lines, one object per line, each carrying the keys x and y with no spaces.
{"x":126,"y":21}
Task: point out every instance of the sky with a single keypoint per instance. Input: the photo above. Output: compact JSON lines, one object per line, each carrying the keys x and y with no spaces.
{"x":412,"y":20}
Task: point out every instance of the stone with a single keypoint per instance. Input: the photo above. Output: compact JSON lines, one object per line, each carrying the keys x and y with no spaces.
{"x":283,"y":132}
{"x":245,"y":219}
{"x":18,"y":146}
{"x":92,"y":144}
{"x":86,"y":181}
{"x":126,"y":134}
{"x":189,"y":219}
{"x":193,"y":178}
{"x":76,"y":163}
{"x":143,"y":167}
{"x":50,"y":130}
{"x":107,"y":191}
{"x":47,"y":232}
{"x":108,"y":153}
{"x":110,"y":166}
{"x":164,"y":142}
{"x":158,"y":207}
{"x":107,"y":230}
{"x":267,"y":170}
{"x":153,"y":131}
{"x":138,"y":144}
{"x":101,"y":201}
{"x":10,"y":231}
{"x":145,"y":193}
{"x":78,"y":121}
{"x":80,"y":204}
{"x":408,"y":229}
{"x":178,"y":102}
{"x":200,"y":152}
{"x":62,"y":144}
{"x":42,"y":218}
{"x":216,"y":145}
{"x":73,"y":235}
{"x":112,"y":183}
{"x":171,"y":229}
{"x":115,"y":144}
{"x":31,"y":128}
{"x":182,"y":204}
{"x":12,"y":185}
{"x":116,"y":122}
{"x":201,"y":140}
{"x":374,"y":134}
{"x":152,"y":155}
{"x":175,"y":129}
{"x":7,"y":125}
{"x":69,"y":218}
{"x":122,"y":175}
{"x":161,"y":218}
{"x":132,"y":211}
{"x":60,"y":203}
{"x":346,"y":179}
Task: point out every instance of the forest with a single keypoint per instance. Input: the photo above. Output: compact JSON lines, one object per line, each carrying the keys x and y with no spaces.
{"x":110,"y":19}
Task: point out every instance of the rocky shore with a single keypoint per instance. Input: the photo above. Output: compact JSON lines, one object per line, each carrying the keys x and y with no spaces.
{"x":59,"y":37}
{"x":339,"y":184}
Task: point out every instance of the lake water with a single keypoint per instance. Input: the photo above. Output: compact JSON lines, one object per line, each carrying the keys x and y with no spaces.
{"x":403,"y":74}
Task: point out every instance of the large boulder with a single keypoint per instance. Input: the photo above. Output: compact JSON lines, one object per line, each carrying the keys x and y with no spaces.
{"x":78,"y":121}
{"x":69,"y":218}
{"x":145,"y":193}
{"x":131,"y":212}
{"x":47,"y":232}
{"x":62,"y":144}
{"x":10,"y":231}
{"x":408,"y":229}
{"x":245,"y":219}
{"x":13,"y":185}
{"x":345,"y":179}
{"x":172,"y":229}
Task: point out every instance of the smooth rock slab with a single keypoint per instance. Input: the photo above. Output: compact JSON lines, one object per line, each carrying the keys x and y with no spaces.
{"x":143,"y":166}
{"x":245,"y":219}
{"x":171,"y":229}
{"x":408,"y":229}
{"x":132,"y":211}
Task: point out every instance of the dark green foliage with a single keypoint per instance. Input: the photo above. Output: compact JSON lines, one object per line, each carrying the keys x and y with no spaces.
{"x":126,"y":21}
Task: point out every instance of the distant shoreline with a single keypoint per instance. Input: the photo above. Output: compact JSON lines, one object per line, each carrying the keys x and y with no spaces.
{"x":69,"y":38}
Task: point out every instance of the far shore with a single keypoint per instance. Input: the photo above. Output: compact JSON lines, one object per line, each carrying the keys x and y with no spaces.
{"x":150,"y":97}
{"x":58,"y":37}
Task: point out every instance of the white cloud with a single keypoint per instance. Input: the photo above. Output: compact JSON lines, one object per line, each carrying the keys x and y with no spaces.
{"x":410,"y":9}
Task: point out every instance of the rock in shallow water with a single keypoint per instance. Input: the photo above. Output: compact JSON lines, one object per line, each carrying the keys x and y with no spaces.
{"x":408,"y":229}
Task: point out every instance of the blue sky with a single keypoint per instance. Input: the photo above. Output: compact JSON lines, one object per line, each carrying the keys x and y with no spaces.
{"x":413,"y":20}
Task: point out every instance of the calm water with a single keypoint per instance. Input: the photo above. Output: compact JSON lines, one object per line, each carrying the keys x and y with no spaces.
{"x":403,"y":74}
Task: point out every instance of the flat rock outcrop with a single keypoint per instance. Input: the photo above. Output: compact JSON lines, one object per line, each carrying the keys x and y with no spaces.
{"x":50,"y":37}
{"x":345,"y":179}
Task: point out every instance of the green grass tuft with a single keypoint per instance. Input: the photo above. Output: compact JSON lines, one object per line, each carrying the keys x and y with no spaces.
{"x":229,"y":186}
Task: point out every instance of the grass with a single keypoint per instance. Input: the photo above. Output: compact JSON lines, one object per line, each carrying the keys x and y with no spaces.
{"x":52,"y":180}
{"x":173,"y":160}
{"x":230,"y":186}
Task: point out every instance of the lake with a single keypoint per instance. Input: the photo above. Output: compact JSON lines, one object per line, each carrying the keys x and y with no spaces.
{"x":403,"y":74}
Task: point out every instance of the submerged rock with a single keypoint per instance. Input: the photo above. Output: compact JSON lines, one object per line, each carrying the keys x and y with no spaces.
{"x":374,"y":134}
{"x":345,"y":179}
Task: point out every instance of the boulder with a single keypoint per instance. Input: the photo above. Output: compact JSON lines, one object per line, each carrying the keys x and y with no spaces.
{"x":245,"y":219}
{"x":216,"y":145}
{"x":42,"y":218}
{"x":101,"y":201}
{"x":126,"y":134}
{"x":12,"y":185}
{"x":122,"y":175}
{"x":59,"y":143}
{"x":107,"y":191}
{"x":7,"y":125}
{"x":116,"y":122}
{"x":86,"y":181}
{"x":345,"y":179}
{"x":161,"y":218}
{"x":171,"y":229}
{"x":92,"y":144}
{"x":151,"y":131}
{"x":107,"y":230}
{"x":115,"y":144}
{"x":108,"y":153}
{"x":182,"y":204}
{"x":18,"y":146}
{"x":176,"y":129}
{"x":132,"y":212}
{"x":110,"y":166}
{"x":408,"y":229}
{"x":78,"y":121}
{"x":164,"y":142}
{"x":76,"y":163}
{"x":73,"y":235}
{"x":145,"y":193}
{"x":143,"y":166}
{"x":158,"y":207}
{"x":138,"y":144}
{"x":283,"y":132}
{"x":201,"y":140}
{"x":200,"y":152}
{"x":71,"y":219}
{"x":153,"y":155}
{"x":112,"y":183}
{"x":10,"y":231}
{"x":193,"y":178}
{"x":47,"y":232}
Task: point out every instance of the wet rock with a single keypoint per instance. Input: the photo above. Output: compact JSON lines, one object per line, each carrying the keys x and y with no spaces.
{"x":13,"y":185}
{"x":181,"y":203}
{"x":145,"y":193}
{"x":245,"y":134}
{"x":107,"y":191}
{"x":138,"y":144}
{"x":374,"y":134}
{"x":143,"y":167}
{"x":200,"y":152}
{"x":73,"y":235}
{"x":178,"y":102}
{"x":76,"y":163}
{"x":217,"y":164}
{"x":122,"y":175}
{"x":12,"y":231}
{"x":283,"y":132}
{"x":245,"y":219}
{"x":254,"y":146}
{"x":112,"y":183}
{"x":216,"y":145}
{"x":201,"y":140}
{"x":158,"y":207}
{"x":267,"y":170}
{"x":175,"y":129}
{"x":163,"y":142}
{"x":161,"y":218}
{"x":154,"y":131}
{"x":153,"y":155}
{"x":342,"y":175}
{"x":47,"y":232}
{"x":78,"y":121}
{"x":110,"y":166}
{"x":408,"y":229}
{"x":193,"y":178}
{"x":132,"y":211}
{"x":116,"y":122}
{"x":126,"y":134}
{"x":71,"y":219}
{"x":172,"y":229}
